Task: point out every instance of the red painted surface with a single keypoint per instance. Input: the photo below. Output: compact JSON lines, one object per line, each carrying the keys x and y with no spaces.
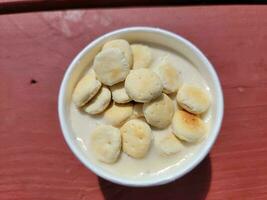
{"x":35,"y":162}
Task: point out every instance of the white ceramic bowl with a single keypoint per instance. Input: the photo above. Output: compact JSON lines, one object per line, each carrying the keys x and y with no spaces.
{"x":149,"y":35}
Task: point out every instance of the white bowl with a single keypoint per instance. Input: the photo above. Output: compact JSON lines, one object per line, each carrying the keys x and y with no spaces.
{"x":149,"y":35}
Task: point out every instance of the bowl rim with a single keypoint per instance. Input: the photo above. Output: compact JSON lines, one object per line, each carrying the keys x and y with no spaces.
{"x":123,"y":181}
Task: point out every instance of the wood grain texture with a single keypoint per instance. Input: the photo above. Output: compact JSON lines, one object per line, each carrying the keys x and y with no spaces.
{"x":35,"y":50}
{"x":17,"y":6}
{"x":20,"y":6}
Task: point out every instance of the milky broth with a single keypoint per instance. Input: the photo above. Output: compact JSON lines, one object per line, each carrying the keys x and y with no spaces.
{"x":153,"y":164}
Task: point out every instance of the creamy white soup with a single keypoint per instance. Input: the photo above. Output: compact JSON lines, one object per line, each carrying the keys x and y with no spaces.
{"x":153,"y":164}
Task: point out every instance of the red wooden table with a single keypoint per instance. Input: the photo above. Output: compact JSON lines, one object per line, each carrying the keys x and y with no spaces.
{"x":35,"y":50}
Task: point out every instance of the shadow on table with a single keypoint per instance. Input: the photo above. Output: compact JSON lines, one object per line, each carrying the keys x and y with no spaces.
{"x":193,"y":186}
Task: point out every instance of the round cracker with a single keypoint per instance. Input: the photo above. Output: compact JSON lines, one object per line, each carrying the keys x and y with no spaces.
{"x":159,"y":112}
{"x":168,"y":145}
{"x":105,"y":142}
{"x":142,"y":56}
{"x":111,"y":66}
{"x":86,"y":89}
{"x":136,"y":138}
{"x":143,"y":85}
{"x":193,"y":99}
{"x":169,"y":76}
{"x":99,"y":103}
{"x":119,"y":94}
{"x":124,"y":46}
{"x":188,"y":127}
{"x":118,"y":113}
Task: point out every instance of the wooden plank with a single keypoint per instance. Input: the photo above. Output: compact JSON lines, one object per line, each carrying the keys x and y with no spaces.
{"x":35,"y":50}
{"x":18,"y":6}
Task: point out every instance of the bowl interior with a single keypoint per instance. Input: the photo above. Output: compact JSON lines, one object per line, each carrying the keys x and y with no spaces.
{"x":156,"y":37}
